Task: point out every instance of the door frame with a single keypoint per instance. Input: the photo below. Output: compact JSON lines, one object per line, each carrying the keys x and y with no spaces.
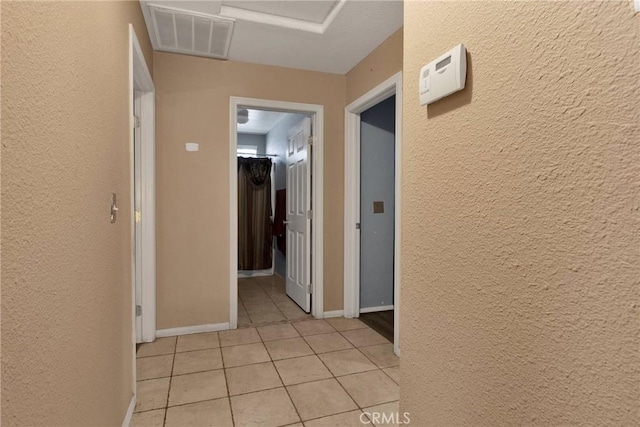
{"x":391,"y":86}
{"x":317,"y":255}
{"x":140,"y":80}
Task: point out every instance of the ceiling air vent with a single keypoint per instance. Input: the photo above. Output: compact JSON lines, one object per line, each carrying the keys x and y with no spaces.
{"x":191,"y":33}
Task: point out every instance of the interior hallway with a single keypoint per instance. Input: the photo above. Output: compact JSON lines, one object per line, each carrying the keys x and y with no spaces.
{"x":263,"y":300}
{"x":321,"y":372}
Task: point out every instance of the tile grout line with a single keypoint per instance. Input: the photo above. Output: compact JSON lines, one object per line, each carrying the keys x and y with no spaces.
{"x":390,"y":375}
{"x":284,"y":320}
{"x":336,"y":377}
{"x":331,"y":372}
{"x":258,"y":363}
{"x":281,"y":311}
{"x":378,"y":368}
{"x":331,"y":351}
{"x":226,"y":379}
{"x":185,"y":351}
{"x":154,"y":355}
{"x":264,"y":342}
{"x":272,"y":301}
{"x":295,"y":408}
{"x":368,"y":358}
{"x":340,"y":384}
{"x":244,"y":306}
{"x":173,"y":362}
{"x":199,"y":349}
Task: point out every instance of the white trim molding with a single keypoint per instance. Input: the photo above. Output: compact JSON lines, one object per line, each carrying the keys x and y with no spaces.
{"x":282,"y":21}
{"x":188,"y":330}
{"x":129,"y":415}
{"x":391,"y":86}
{"x":334,"y":313}
{"x":256,"y":273}
{"x":317,"y":204}
{"x":140,"y":81}
{"x":374,"y":309}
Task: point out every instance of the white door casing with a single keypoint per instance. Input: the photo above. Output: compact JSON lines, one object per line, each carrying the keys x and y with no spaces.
{"x":299,"y":214}
{"x":142,"y":196}
{"x":142,"y":178}
{"x":316,"y":112}
{"x":137,"y":207}
{"x":393,"y":85}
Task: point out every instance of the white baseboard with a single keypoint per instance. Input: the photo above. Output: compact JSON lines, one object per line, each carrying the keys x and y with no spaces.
{"x":334,"y":313}
{"x":379,"y":308}
{"x":186,"y":330}
{"x":129,"y":414}
{"x":255,"y":273}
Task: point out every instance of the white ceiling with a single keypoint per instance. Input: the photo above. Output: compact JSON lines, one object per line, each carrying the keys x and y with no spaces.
{"x":261,"y":121}
{"x":325,"y":35}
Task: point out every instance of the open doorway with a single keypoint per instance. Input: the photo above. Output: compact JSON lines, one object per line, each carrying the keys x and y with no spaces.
{"x":377,"y":216}
{"x":266,"y":191}
{"x":276,"y":201}
{"x":373,"y":133}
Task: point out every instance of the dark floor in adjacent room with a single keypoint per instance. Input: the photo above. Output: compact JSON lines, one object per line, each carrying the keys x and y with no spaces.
{"x":380,"y":321}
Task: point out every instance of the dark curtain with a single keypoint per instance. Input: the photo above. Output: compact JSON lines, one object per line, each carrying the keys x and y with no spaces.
{"x":254,"y":211}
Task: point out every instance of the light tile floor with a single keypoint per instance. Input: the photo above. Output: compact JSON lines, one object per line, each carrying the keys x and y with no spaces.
{"x":264,"y":301}
{"x":316,"y":373}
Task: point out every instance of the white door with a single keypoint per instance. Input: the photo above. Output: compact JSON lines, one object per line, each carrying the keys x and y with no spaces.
{"x":137,"y":195}
{"x":299,"y":215}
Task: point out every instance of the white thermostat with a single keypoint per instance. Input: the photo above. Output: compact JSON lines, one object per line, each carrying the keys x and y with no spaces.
{"x":444,"y":76}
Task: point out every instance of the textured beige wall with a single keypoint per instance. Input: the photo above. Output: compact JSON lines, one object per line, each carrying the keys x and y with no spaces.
{"x":66,"y":282}
{"x":193,"y":188}
{"x":379,"y":65}
{"x":520,"y":296}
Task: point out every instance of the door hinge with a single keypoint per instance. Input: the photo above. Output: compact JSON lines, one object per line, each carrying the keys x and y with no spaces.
{"x":310,"y":140}
{"x":357,"y":226}
{"x":309,"y":214}
{"x":138,"y":310}
{"x":310,"y":288}
{"x":136,"y":122}
{"x":138,"y":217}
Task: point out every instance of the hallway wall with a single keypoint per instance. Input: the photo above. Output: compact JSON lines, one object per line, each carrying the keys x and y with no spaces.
{"x":66,"y":270}
{"x":378,"y":66}
{"x":193,"y":188}
{"x":520,"y":295}
{"x":260,"y":141}
{"x":192,"y":105}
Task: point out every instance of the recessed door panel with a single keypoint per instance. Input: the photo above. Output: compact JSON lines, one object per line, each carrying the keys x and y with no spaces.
{"x":298,"y":221}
